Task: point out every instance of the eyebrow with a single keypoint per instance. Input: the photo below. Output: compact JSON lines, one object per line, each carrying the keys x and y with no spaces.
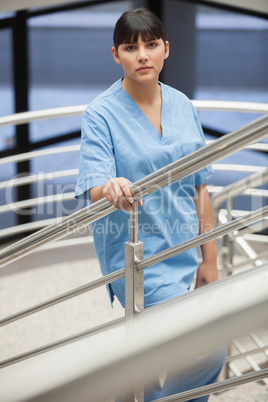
{"x":134,"y":43}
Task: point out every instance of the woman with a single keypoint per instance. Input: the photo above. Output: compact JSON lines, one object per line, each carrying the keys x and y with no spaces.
{"x":134,"y":128}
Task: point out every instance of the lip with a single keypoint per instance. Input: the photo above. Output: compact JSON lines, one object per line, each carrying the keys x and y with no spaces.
{"x":144,"y":68}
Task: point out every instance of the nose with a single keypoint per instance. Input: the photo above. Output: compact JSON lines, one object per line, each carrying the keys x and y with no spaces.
{"x":142,"y":55}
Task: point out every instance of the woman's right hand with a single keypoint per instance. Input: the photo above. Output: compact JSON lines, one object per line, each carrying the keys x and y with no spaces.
{"x":118,"y":191}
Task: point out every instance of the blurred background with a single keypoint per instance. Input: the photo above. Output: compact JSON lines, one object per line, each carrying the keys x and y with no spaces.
{"x":60,"y":55}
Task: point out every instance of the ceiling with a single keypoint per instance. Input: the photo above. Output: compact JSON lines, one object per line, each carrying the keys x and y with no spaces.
{"x":12,"y":5}
{"x":255,"y":5}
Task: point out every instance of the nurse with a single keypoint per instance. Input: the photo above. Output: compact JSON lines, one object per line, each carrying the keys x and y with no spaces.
{"x":134,"y":128}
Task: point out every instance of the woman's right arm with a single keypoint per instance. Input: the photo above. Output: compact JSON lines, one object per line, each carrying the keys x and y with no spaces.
{"x":118,"y":192}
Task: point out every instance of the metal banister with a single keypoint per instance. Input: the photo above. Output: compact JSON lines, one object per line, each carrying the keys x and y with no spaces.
{"x":28,"y":117}
{"x":255,"y":180}
{"x":105,"y":280}
{"x":145,"y":263}
{"x":62,"y":342}
{"x":216,"y":387}
{"x":239,"y":304}
{"x":36,"y":154}
{"x":21,"y":181}
{"x":203,"y":238}
{"x":187,"y":165}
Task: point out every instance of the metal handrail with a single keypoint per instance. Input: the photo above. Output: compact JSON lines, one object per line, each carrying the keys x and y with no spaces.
{"x":216,"y":387}
{"x":62,"y":342}
{"x":243,"y":302}
{"x":145,"y":263}
{"x":105,"y":280}
{"x":21,"y":181}
{"x":73,"y":338}
{"x":36,"y":154}
{"x":75,"y":148}
{"x":187,"y":165}
{"x":237,"y":239}
{"x":28,"y":227}
{"x":254,"y":180}
{"x":47,"y":199}
{"x":28,"y":117}
{"x":203,"y":238}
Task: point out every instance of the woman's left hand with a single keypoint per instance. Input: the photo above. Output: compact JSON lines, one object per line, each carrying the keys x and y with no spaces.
{"x":206,"y":273}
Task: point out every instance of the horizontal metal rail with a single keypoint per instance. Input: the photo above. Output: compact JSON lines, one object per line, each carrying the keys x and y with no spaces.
{"x":249,"y":260}
{"x":35,"y":202}
{"x":229,"y":106}
{"x":203,"y":238}
{"x":28,"y":227}
{"x":247,"y":353}
{"x":232,"y":190}
{"x":249,"y":191}
{"x":27,"y":156}
{"x":28,"y":117}
{"x":76,"y":148}
{"x":259,"y":147}
{"x":21,"y":181}
{"x":61,"y":342}
{"x":259,"y":343}
{"x":216,"y":387}
{"x":173,"y":172}
{"x":256,"y":237}
{"x":65,"y":296}
{"x":254,"y":365}
{"x":254,"y":228}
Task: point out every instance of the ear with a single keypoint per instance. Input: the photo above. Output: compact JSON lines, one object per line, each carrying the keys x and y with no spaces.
{"x":166,"y":49}
{"x":115,"y":55}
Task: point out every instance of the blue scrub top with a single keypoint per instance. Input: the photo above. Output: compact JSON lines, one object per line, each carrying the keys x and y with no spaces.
{"x":119,"y":141}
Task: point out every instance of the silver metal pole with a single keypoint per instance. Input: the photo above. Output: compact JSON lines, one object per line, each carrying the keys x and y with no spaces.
{"x":234,"y":189}
{"x":65,"y":296}
{"x":62,"y":342}
{"x":134,"y":285}
{"x":203,"y":238}
{"x":217,"y":387}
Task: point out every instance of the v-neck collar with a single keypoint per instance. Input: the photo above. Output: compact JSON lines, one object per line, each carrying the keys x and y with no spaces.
{"x":143,"y":120}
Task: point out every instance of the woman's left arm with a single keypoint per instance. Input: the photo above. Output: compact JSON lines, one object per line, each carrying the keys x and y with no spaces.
{"x":207,"y":271}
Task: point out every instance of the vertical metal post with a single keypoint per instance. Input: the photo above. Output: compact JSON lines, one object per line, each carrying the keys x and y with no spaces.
{"x":134,"y":285}
{"x":21,"y":85}
{"x":227,"y":264}
{"x":134,"y":280}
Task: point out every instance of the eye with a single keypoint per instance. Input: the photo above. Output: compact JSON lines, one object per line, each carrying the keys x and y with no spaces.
{"x":130,"y":48}
{"x":152,"y":44}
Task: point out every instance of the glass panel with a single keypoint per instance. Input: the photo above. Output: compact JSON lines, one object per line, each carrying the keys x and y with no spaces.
{"x":71,"y":62}
{"x":231,"y":63}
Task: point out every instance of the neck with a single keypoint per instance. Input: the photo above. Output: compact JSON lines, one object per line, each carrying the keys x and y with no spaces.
{"x":141,"y":92}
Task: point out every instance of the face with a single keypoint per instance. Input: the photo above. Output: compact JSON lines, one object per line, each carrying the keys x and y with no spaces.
{"x":142,"y":61}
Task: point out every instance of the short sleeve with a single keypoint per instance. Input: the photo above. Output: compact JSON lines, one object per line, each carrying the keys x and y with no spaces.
{"x":203,"y":175}
{"x":97,"y":163}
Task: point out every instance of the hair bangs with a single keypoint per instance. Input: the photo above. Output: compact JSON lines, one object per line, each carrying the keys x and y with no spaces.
{"x":135,"y":23}
{"x":141,"y":28}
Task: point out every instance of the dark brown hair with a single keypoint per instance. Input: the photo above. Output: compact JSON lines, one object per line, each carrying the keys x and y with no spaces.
{"x":140,"y":21}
